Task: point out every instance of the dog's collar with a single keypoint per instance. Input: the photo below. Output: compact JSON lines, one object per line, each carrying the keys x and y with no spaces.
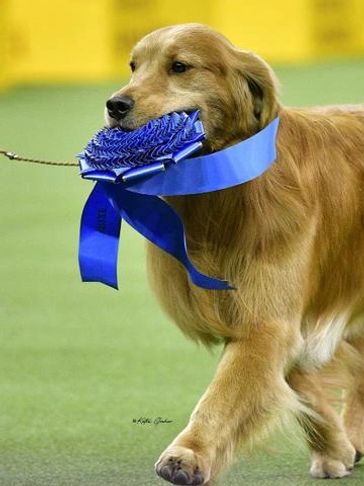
{"x":137,"y":201}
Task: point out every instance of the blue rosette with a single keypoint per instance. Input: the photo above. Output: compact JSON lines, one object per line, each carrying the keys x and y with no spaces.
{"x":117,"y":155}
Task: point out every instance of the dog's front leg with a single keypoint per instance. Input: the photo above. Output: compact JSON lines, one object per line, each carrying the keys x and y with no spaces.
{"x":246,"y":394}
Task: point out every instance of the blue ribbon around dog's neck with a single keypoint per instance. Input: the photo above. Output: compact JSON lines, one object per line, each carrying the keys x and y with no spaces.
{"x":137,"y":201}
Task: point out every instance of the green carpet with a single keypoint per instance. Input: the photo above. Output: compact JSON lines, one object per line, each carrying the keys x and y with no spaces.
{"x":79,"y":362}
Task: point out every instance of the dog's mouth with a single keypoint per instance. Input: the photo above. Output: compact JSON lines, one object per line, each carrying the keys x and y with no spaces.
{"x":129,"y":125}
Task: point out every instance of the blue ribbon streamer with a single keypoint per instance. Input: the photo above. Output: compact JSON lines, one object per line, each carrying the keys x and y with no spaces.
{"x":136,"y":200}
{"x":99,"y":239}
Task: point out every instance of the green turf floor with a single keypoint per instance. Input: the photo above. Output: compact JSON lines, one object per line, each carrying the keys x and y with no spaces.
{"x":79,"y":362}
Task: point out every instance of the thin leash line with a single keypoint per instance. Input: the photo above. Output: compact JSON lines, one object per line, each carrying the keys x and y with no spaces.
{"x":14,"y":156}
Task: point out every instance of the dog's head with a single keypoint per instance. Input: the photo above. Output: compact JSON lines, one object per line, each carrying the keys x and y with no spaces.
{"x":188,"y":67}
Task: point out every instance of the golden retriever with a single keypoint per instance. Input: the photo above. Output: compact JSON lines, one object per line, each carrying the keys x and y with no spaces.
{"x":291,"y":241}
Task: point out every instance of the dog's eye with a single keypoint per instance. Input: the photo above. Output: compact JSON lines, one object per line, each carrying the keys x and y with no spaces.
{"x":132,"y":66}
{"x":179,"y":67}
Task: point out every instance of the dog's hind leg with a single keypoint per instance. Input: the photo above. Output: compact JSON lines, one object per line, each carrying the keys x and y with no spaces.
{"x":331,"y":450}
{"x":247,"y":393}
{"x":354,"y":402}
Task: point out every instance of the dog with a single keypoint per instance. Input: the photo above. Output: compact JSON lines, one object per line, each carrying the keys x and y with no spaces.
{"x":291,"y":241}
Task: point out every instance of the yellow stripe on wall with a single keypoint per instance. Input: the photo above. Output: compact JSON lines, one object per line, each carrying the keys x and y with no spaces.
{"x":60,"y":40}
{"x":90,"y":40}
{"x":4,"y":39}
{"x":277,"y":30}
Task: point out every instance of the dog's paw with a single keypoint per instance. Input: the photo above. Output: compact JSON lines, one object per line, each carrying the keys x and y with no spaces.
{"x":180,"y":465}
{"x":325,"y":467}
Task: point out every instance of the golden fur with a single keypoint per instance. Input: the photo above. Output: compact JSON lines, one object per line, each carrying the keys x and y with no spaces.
{"x":291,"y":241}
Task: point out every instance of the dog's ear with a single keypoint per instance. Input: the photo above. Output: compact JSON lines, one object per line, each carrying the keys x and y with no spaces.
{"x":256,"y":85}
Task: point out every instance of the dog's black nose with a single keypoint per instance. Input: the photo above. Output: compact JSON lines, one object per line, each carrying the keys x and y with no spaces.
{"x":119,"y":106}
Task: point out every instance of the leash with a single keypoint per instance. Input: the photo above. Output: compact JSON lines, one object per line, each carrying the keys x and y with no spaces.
{"x":14,"y":156}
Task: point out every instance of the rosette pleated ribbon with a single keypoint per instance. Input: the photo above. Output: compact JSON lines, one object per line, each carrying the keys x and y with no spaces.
{"x":134,"y":170}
